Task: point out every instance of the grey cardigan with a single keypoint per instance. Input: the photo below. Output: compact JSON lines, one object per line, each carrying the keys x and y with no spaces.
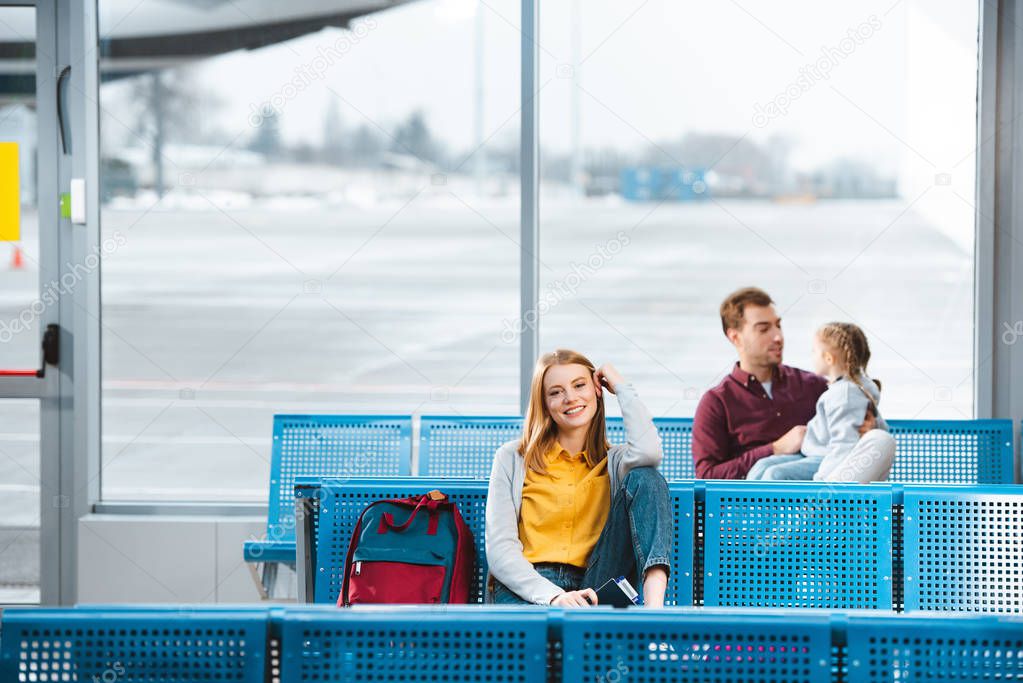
{"x":504,"y":497}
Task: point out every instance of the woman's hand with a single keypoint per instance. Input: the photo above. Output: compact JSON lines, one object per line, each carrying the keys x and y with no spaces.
{"x":583,"y":598}
{"x":607,"y":377}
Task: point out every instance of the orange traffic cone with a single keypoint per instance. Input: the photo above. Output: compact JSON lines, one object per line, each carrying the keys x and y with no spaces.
{"x":17,"y":260}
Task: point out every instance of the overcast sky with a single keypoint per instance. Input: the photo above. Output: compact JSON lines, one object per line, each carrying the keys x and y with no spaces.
{"x":651,"y":70}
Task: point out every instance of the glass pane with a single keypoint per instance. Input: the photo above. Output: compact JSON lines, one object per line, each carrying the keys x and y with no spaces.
{"x":821,"y":151}
{"x":21,"y":311}
{"x":331,"y":228}
{"x":19,"y":502}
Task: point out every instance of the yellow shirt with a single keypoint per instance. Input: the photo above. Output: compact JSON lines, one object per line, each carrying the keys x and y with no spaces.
{"x":563,"y":512}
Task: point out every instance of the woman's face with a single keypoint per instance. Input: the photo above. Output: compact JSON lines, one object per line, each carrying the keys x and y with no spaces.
{"x":570,"y":395}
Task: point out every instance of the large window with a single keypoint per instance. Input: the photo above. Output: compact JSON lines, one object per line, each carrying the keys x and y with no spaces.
{"x":823,"y":151}
{"x":21,"y":310}
{"x":327,"y":224}
{"x":329,"y":221}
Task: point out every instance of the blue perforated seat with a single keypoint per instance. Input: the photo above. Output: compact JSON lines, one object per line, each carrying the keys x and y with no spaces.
{"x":676,"y":443}
{"x":476,"y":644}
{"x":339,"y":503}
{"x":952,"y":451}
{"x":134,"y":644}
{"x":964,"y":548}
{"x":918,"y":649}
{"x":460,"y":645}
{"x":797,"y":545}
{"x":462,"y":446}
{"x":324,"y":445}
{"x":713,"y":647}
{"x":929,"y":451}
{"x":961,"y":451}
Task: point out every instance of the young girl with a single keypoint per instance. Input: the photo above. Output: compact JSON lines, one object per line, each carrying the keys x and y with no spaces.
{"x":833,"y":449}
{"x":566,"y":511}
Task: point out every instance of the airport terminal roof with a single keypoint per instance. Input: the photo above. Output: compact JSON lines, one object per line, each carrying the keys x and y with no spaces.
{"x":136,"y":37}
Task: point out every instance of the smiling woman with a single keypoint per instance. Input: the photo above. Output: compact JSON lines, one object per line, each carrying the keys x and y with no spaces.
{"x":558,"y":481}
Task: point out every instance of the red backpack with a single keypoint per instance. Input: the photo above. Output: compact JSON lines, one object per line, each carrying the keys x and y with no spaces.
{"x":409,"y":551}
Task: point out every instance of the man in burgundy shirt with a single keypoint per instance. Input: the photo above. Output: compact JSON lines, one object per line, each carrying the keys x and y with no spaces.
{"x":762,"y":407}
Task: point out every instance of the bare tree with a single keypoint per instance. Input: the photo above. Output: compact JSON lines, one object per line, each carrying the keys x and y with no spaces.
{"x":171,"y":106}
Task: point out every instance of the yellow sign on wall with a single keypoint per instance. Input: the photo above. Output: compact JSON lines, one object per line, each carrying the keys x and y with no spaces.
{"x":10,"y":193}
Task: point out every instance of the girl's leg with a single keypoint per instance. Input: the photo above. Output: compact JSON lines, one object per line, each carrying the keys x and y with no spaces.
{"x":870,"y":460}
{"x":637,"y":538}
{"x":760,"y":466}
{"x":796,"y":470}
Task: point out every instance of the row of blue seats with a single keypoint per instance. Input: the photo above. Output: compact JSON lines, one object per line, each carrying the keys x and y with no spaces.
{"x":757,"y":544}
{"x":929,"y":451}
{"x":127,"y":644}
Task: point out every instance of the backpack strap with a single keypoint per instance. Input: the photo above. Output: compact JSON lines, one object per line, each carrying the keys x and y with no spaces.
{"x":429,"y":501}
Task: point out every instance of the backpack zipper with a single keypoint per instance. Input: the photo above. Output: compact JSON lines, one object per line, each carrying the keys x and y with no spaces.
{"x":358,"y":568}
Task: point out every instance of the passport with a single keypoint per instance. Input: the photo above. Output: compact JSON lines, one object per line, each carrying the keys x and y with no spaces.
{"x":617,"y":593}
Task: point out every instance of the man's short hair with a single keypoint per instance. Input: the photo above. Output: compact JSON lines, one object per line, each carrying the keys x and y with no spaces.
{"x":734,"y":305}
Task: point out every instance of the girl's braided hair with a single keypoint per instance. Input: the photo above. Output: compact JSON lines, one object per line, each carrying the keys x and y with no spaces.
{"x":849,"y":343}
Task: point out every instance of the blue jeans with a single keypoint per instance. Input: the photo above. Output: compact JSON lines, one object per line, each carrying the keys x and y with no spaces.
{"x":638,"y":535}
{"x":796,"y":467}
{"x":561,"y":575}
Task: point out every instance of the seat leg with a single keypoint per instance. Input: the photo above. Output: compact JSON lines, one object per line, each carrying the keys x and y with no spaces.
{"x":269,"y":579}
{"x":257,"y":570}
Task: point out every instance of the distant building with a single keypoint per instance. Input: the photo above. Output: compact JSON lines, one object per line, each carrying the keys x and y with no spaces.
{"x":848,"y":179}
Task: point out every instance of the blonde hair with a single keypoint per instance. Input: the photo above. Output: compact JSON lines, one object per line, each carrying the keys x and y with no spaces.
{"x":849,"y":344}
{"x":539,"y":432}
